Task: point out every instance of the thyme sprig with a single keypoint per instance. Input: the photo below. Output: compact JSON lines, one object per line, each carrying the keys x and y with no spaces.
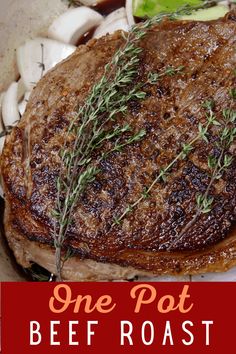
{"x":185,"y":151}
{"x":232,"y":93}
{"x":108,"y":98}
{"x":217,"y":165}
{"x":153,"y":78}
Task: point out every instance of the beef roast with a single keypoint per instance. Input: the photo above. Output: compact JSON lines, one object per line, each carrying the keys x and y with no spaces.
{"x":147,"y":240}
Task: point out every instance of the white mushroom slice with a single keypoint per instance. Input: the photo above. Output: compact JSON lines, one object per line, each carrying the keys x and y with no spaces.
{"x":22,"y":105}
{"x":117,"y":20}
{"x":71,"y":25}
{"x":115,"y":26}
{"x":114,"y":16}
{"x":129,"y":12}
{"x":21,"y":89}
{"x":10,"y":113}
{"x":39,"y":55}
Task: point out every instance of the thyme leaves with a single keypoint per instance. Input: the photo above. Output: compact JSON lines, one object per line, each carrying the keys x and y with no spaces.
{"x":153,"y":78}
{"x":226,"y":133}
{"x":187,"y":148}
{"x":108,"y":98}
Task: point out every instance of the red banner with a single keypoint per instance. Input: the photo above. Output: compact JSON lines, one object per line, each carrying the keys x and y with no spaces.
{"x":126,"y":318}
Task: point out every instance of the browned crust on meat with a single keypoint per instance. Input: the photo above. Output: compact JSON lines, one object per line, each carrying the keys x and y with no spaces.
{"x":216,"y":259}
{"x":170,"y":114}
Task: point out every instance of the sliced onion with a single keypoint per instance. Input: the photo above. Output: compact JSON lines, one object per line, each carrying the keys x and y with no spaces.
{"x":71,"y":25}
{"x":129,"y":12}
{"x":117,"y":20}
{"x":37,"y":56}
{"x":22,"y":105}
{"x":10,"y":113}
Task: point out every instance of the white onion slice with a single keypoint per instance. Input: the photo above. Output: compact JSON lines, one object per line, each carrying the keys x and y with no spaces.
{"x":10,"y":113}
{"x":71,"y":25}
{"x":117,"y":20}
{"x":129,"y":12}
{"x":22,"y":105}
{"x":39,"y":55}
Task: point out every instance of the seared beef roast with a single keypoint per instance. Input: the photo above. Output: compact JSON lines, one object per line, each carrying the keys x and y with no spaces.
{"x":150,"y":239}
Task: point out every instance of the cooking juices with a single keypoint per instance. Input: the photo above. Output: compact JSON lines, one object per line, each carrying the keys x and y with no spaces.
{"x":108,"y":6}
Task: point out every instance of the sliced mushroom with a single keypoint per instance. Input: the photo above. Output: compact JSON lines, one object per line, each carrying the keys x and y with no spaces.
{"x":73,"y":24}
{"x":117,"y":20}
{"x":37,"y":56}
{"x":22,"y":105}
{"x":10,"y":113}
{"x":129,"y":12}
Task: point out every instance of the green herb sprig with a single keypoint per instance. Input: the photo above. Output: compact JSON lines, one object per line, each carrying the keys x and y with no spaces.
{"x":108,"y":98}
{"x":217,"y":165}
{"x":232,"y":93}
{"x":153,"y":78}
{"x":185,"y":151}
